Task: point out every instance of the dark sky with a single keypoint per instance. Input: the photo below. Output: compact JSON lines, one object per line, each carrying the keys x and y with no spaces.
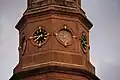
{"x":104,"y":36}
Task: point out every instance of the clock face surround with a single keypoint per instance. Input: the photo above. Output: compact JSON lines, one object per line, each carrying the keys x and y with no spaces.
{"x":39,"y":36}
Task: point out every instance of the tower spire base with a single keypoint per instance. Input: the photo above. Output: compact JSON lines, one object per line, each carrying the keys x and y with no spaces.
{"x":55,"y":73}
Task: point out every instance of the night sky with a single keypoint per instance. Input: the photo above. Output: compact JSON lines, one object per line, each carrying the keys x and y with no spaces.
{"x":104,"y":36}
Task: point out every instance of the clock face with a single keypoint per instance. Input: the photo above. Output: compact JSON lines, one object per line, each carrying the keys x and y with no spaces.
{"x":40,"y":36}
{"x":84,"y":42}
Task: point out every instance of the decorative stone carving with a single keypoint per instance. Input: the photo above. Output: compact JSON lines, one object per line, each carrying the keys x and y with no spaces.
{"x":65,"y":35}
{"x":38,"y":3}
{"x":23,"y":44}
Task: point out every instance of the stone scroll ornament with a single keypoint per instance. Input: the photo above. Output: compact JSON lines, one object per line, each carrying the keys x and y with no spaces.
{"x":23,"y":44}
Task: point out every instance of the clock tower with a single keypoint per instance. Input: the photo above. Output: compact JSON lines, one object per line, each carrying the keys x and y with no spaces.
{"x":54,"y":42}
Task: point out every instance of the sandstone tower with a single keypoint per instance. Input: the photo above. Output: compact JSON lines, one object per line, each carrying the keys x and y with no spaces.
{"x":54,"y":42}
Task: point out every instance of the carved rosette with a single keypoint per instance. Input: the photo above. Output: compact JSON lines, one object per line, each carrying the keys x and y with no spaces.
{"x":64,"y":35}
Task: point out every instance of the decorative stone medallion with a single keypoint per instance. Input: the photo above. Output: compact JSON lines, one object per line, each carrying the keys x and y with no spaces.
{"x":64,"y":35}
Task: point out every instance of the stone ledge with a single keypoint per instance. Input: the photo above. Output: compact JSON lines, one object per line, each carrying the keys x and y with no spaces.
{"x":54,"y":69}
